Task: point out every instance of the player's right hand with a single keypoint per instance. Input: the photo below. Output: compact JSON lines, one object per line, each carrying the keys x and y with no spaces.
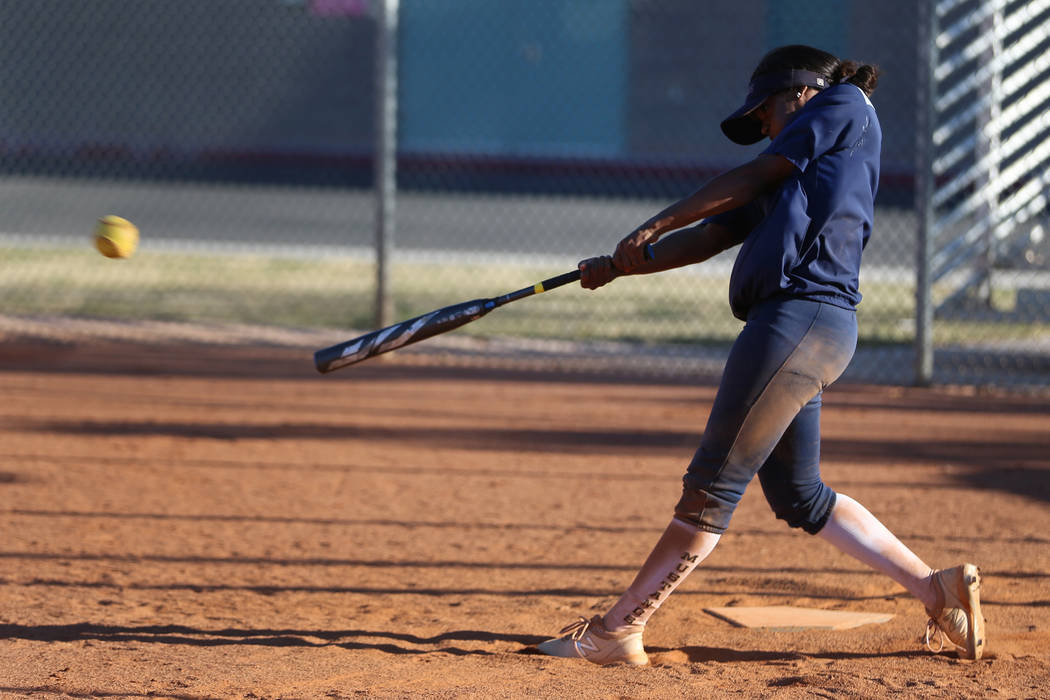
{"x":597,"y":272}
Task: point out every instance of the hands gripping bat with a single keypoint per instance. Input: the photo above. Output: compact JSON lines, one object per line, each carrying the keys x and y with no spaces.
{"x":428,"y":325}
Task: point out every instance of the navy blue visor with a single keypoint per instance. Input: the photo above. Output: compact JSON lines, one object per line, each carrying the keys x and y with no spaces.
{"x":740,"y":127}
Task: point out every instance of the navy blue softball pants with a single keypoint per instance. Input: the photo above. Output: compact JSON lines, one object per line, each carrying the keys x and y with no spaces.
{"x":766,"y":416}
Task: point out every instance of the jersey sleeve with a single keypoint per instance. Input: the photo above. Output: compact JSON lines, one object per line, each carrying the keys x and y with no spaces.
{"x":834,"y":119}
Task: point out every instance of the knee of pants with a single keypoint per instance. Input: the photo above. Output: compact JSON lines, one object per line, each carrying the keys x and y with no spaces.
{"x":807,"y":510}
{"x":703,"y":510}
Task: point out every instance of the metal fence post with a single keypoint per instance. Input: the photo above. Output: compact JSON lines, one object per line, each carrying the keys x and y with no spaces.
{"x":924,"y":189}
{"x":988,"y":149}
{"x":385,"y":163}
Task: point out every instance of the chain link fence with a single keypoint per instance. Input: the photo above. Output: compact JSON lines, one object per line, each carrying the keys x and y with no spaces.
{"x":239,"y":135}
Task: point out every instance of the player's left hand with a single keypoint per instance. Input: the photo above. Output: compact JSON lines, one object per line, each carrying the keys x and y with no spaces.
{"x":596,"y":272}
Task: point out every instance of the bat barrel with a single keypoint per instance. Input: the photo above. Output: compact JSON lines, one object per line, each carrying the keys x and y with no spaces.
{"x":400,"y":334}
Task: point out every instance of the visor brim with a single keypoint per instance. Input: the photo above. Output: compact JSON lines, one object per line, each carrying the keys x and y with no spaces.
{"x":743,"y":128}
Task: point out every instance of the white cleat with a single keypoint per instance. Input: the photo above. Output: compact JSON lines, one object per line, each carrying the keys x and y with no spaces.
{"x":958,"y":616}
{"x":589,"y":640}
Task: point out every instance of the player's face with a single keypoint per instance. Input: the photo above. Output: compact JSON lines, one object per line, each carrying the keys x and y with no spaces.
{"x":780,"y":108}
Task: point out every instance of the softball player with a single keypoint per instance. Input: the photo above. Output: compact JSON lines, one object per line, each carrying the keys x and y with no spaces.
{"x":802,"y":213}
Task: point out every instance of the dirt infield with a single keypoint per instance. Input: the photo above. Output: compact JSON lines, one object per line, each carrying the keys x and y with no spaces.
{"x":197,"y":521}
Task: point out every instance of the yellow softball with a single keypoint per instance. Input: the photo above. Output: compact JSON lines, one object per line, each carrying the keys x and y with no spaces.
{"x":116,"y":237}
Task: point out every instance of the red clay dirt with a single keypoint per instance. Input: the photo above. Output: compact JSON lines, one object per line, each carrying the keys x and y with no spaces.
{"x":199,"y":522}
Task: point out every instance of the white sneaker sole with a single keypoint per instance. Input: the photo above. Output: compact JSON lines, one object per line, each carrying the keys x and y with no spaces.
{"x":972,"y":579}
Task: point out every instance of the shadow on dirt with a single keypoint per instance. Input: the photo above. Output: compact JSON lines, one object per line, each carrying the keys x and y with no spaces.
{"x":442,"y":564}
{"x":764,"y":587}
{"x":1013,"y":464}
{"x":836,"y":594}
{"x":855,"y":397}
{"x":192,"y":636}
{"x":698,"y":654}
{"x":271,"y":362}
{"x":474,"y":437}
{"x":387,"y":642}
{"x":48,"y":691}
{"x":655,"y":528}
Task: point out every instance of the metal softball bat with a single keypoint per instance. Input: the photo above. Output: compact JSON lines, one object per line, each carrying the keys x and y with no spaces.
{"x":428,"y":325}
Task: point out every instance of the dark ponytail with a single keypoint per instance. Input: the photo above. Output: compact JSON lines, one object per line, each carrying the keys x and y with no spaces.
{"x":798,"y":56}
{"x":862,"y":75}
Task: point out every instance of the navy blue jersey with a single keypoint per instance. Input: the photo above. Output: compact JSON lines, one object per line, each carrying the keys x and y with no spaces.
{"x":805,"y":238}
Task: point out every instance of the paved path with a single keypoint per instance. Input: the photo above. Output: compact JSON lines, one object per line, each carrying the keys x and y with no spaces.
{"x":221,"y":215}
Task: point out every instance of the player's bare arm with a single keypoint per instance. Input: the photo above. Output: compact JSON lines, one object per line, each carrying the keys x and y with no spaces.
{"x":683,"y":247}
{"x":728,"y":191}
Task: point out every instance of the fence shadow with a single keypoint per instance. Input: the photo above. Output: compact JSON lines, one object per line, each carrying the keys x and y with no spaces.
{"x":473,"y":437}
{"x":702,"y":654}
{"x":654,"y":529}
{"x":389,"y":642}
{"x":1011,"y":464}
{"x":48,"y":691}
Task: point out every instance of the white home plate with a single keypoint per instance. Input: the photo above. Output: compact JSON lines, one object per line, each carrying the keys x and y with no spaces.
{"x":786,"y":617}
